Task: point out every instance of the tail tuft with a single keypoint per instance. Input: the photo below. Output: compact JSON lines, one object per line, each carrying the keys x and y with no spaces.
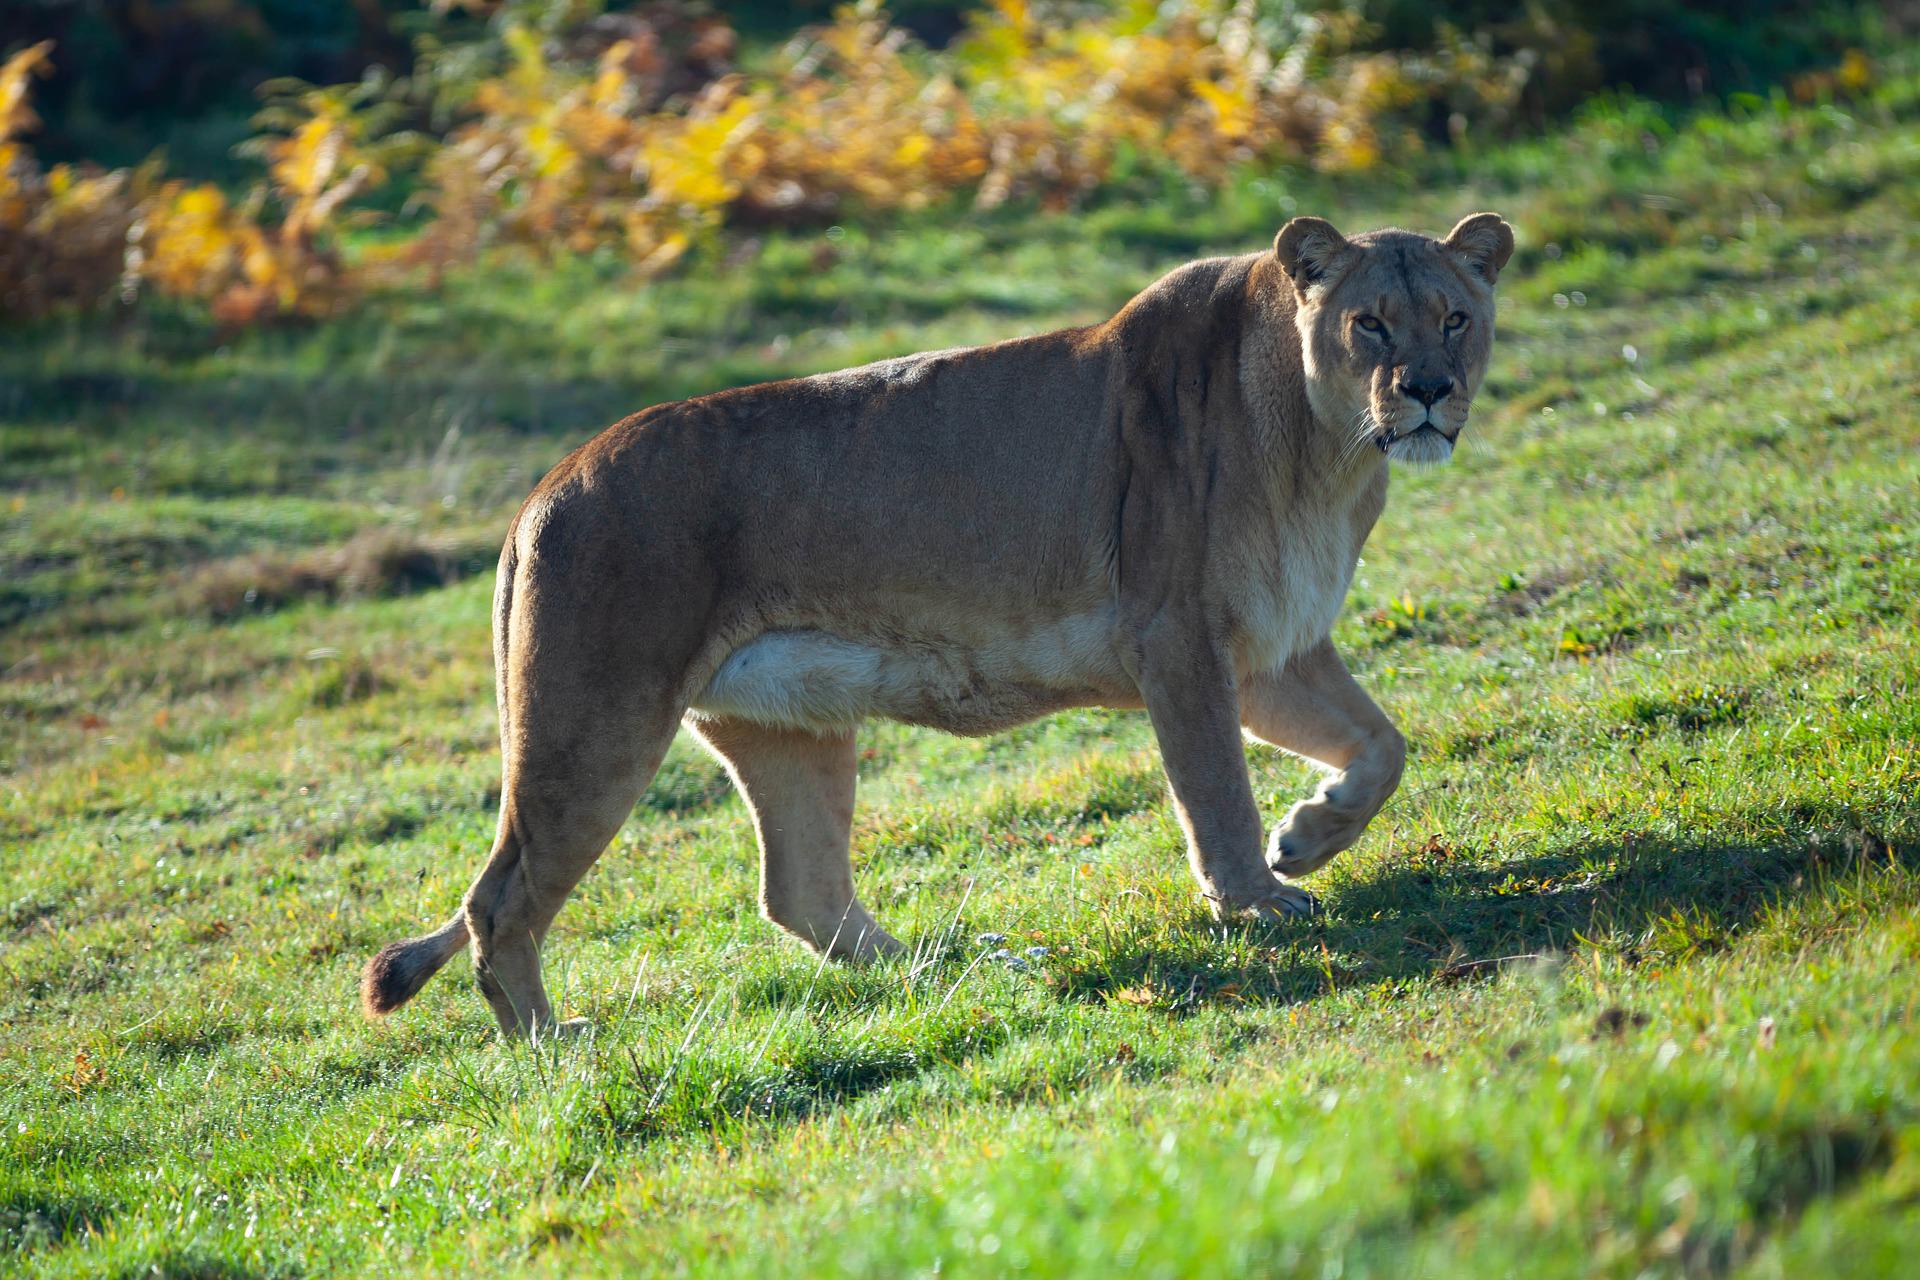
{"x":396,"y":975}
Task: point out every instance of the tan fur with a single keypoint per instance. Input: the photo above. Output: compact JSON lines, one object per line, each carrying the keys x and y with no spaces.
{"x":1161,"y":511}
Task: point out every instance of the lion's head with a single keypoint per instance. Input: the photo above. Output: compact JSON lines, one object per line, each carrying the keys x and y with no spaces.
{"x":1395,"y":328}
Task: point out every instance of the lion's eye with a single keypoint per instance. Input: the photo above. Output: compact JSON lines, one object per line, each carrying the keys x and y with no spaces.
{"x":1456,"y":322}
{"x":1372,"y":325}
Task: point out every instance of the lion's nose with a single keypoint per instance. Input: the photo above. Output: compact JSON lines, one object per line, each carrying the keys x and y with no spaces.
{"x":1428,"y":391}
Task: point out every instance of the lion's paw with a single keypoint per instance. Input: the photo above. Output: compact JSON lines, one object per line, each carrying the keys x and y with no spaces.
{"x":1310,"y":837}
{"x":561,"y":1032}
{"x":864,"y":945}
{"x":1278,"y":904}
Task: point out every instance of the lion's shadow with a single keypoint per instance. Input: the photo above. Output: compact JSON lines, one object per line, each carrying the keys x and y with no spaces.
{"x":1459,"y":913}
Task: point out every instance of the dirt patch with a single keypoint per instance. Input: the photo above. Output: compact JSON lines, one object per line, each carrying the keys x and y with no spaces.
{"x":378,"y":562}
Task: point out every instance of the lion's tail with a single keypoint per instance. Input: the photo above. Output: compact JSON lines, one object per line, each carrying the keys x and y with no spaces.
{"x":395,"y":975}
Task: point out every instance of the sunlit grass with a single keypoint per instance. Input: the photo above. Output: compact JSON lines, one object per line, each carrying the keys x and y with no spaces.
{"x":1618,"y":984}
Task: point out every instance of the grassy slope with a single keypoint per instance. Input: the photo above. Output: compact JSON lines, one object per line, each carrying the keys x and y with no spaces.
{"x":1652,"y":637}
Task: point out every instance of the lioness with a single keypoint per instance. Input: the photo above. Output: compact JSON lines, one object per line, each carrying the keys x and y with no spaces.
{"x":1161,"y":511}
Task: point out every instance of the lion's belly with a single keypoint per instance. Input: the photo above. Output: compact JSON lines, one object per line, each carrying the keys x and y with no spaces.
{"x":815,"y":679}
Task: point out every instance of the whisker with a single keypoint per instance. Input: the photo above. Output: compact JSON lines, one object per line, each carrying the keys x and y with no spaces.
{"x":1355,"y":425}
{"x":1360,"y":432}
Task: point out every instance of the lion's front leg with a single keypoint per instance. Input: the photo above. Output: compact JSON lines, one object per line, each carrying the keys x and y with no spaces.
{"x":1314,"y":709}
{"x":1189,"y":691}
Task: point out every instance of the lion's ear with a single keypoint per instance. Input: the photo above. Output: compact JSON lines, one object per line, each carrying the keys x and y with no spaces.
{"x":1485,"y":241}
{"x":1309,"y":250}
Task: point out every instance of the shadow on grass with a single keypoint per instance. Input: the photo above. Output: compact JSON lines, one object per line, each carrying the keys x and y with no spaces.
{"x":347,"y":406}
{"x":691,"y":1094}
{"x":1442,"y":912}
{"x":1647,"y":900}
{"x":32,"y":1220}
{"x":186,"y":1264}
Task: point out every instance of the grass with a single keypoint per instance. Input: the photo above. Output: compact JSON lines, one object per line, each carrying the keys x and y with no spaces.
{"x":1620,"y":983}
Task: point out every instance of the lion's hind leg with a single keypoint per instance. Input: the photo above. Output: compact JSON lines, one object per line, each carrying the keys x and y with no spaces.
{"x":799,"y":785}
{"x":557,"y":814}
{"x":589,"y":703}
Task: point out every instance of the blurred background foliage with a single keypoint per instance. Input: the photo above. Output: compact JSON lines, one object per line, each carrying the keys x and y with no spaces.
{"x":271,"y":159}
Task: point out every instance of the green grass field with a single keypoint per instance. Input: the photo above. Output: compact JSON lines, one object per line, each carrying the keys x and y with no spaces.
{"x":1622,"y":982}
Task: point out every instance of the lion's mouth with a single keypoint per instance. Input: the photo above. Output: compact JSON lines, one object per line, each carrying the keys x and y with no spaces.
{"x":1390,"y":437}
{"x":1422,"y":445}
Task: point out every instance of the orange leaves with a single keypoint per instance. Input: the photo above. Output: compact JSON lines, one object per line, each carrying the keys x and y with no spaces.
{"x":189,"y":240}
{"x":325,"y":148}
{"x":635,"y":132}
{"x":61,"y":232}
{"x":852,"y":120}
{"x":191,"y":243}
{"x":1233,"y":106}
{"x":16,"y":74}
{"x":547,"y":158}
{"x":691,"y":166}
{"x":1854,"y":76}
{"x":80,"y":235}
{"x":85,"y":1076}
